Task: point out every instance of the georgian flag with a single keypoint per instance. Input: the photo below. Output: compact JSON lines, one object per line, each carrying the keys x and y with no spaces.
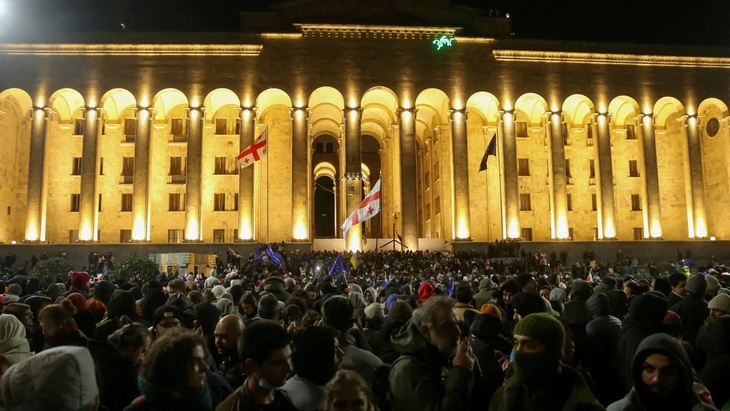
{"x":367,"y":209}
{"x":255,"y":151}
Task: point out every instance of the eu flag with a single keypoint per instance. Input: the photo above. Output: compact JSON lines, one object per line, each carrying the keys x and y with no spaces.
{"x":449,"y":290}
{"x":338,"y":267}
{"x":274,"y":256}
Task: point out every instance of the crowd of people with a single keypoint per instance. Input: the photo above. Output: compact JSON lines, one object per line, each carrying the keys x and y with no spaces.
{"x":391,"y":332}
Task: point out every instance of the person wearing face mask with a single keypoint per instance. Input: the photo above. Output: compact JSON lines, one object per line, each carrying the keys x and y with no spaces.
{"x":116,"y":362}
{"x":265,"y":353}
{"x":662,"y":378}
{"x":540,"y":380}
{"x":173,"y":375}
{"x":427,"y":346}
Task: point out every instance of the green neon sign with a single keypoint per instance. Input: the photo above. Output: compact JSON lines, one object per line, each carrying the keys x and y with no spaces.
{"x":443,"y":41}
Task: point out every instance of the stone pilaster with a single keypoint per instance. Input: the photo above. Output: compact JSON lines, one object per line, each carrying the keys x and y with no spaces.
{"x":510,"y":184}
{"x":89,"y":207}
{"x":246,"y":225}
{"x":35,"y":215}
{"x":300,"y":174}
{"x":141,"y":183}
{"x":559,"y":183}
{"x":605,"y":175}
{"x":694,"y":155}
{"x":193,"y":220}
{"x":353,"y":173}
{"x":460,"y":163}
{"x":409,"y":194}
{"x":651,"y":176}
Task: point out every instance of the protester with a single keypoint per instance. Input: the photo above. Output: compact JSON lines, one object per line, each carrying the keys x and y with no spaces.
{"x":58,"y":379}
{"x":79,"y":284}
{"x":315,"y":357}
{"x":693,"y":308}
{"x":173,"y":374}
{"x":464,"y":297}
{"x":662,"y":377}
{"x":715,"y":374}
{"x":347,"y":391}
{"x":59,"y":327}
{"x":14,"y":345}
{"x":540,"y":381}
{"x":603,"y":333}
{"x":275,"y":285}
{"x":425,"y":346}
{"x":165,"y":318}
{"x":266,"y":355}
{"x":227,"y":334}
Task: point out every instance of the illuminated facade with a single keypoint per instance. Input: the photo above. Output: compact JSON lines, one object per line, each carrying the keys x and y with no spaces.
{"x":133,"y":136}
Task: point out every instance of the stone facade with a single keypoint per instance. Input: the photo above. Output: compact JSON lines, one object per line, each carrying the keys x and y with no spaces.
{"x":570,"y":122}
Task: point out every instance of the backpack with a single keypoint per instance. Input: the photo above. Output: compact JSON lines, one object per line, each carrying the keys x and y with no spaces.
{"x":382,"y":395}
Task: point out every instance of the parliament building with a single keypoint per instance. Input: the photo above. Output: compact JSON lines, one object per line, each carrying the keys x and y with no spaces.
{"x":133,"y":137}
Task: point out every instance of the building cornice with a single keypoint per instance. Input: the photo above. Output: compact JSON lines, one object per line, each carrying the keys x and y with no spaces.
{"x":376,"y":32}
{"x":218,"y":50}
{"x":610,"y":58}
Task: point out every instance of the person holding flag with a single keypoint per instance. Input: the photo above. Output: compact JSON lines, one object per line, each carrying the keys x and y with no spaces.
{"x":338,"y":267}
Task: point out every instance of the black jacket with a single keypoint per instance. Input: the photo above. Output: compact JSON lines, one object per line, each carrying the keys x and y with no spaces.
{"x":487,"y":338}
{"x":115,"y":376}
{"x":231,"y":369}
{"x":715,"y":373}
{"x":603,"y":333}
{"x":693,"y":311}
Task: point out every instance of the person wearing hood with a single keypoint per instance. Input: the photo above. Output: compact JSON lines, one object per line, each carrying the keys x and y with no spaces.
{"x":603,"y":333}
{"x":122,"y":304}
{"x":59,"y":327}
{"x":619,"y":304}
{"x":424,"y":377}
{"x":540,"y":380}
{"x":375,"y":319}
{"x":714,"y":374}
{"x":371,"y":296}
{"x":607,"y":284}
{"x":12,"y":295}
{"x":103,"y":291}
{"x":14,"y":345}
{"x":154,"y":299}
{"x":487,"y":341}
{"x":224,"y":306}
{"x":504,"y":299}
{"x":59,"y":379}
{"x":358,"y":302}
{"x":692,"y":309}
{"x":79,"y":284}
{"x":275,"y":285}
{"x":575,"y":309}
{"x":662,"y":376}
{"x":484,"y":296}
{"x":647,"y":314}
{"x":526,"y":303}
{"x":425,"y":292}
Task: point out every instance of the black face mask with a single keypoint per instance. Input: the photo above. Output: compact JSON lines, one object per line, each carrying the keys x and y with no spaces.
{"x":535,"y":368}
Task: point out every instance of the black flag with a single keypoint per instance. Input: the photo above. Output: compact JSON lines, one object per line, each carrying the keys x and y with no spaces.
{"x":491,"y":151}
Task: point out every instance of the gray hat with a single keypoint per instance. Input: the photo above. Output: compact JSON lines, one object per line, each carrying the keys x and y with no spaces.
{"x":697,"y":284}
{"x":720,"y":302}
{"x":15,"y":289}
{"x":486,"y":284}
{"x":712,"y":283}
{"x":268,"y":307}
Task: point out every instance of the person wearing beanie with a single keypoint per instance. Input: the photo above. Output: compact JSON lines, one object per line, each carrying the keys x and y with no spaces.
{"x":540,"y":380}
{"x":375,"y":319}
{"x":464,"y":297}
{"x":166,"y":318}
{"x":79,"y":284}
{"x":607,"y":284}
{"x":12,"y":295}
{"x":504,"y":299}
{"x":484,"y":296}
{"x":54,"y":291}
{"x":275,"y":285}
{"x":719,"y":305}
{"x":713,"y":286}
{"x":663,"y":378}
{"x":693,"y":309}
{"x":575,"y":309}
{"x":425,"y":292}
{"x":492,"y":310}
{"x":487,"y":340}
{"x":268,"y":308}
{"x":526,"y":303}
{"x":527,"y":282}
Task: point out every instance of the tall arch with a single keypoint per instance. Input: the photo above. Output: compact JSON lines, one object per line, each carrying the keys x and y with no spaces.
{"x":713,"y":129}
{"x":66,"y":104}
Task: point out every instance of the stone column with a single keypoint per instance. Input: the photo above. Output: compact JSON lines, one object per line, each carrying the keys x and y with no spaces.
{"x":89,"y":207}
{"x":460,"y":164}
{"x":511,"y":201}
{"x":651,"y":176}
{"x":300,"y":174}
{"x":193,"y":214}
{"x":141,"y":182}
{"x":246,"y":225}
{"x":409,"y":206}
{"x":605,"y":174}
{"x":559,"y":186}
{"x":36,"y":213}
{"x":353,"y":174}
{"x":699,"y":216}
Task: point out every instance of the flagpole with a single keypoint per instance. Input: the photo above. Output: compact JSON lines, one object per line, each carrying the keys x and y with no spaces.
{"x":499,"y":165}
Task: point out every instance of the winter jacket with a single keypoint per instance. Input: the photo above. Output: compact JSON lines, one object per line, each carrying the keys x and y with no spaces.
{"x":604,"y":328}
{"x":507,"y":310}
{"x":568,"y":393}
{"x":303,"y":394}
{"x":484,"y":296}
{"x":357,"y":359}
{"x":674,"y":298}
{"x":486,"y":340}
{"x":715,"y":374}
{"x":693,"y":311}
{"x":575,"y":309}
{"x":242,"y":400}
{"x":603,"y":334}
{"x":59,"y":379}
{"x":68,"y":335}
{"x":231,"y":369}
{"x":116,"y":376}
{"x":73,"y":289}
{"x":647,"y":317}
{"x":423,"y":379}
{"x":683,"y":397}
{"x":275,"y":285}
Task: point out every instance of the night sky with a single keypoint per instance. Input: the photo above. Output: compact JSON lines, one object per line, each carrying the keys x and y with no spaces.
{"x":642,"y":21}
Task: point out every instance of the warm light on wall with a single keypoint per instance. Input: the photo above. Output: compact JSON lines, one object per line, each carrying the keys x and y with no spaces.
{"x":300,"y":231}
{"x":31,"y":232}
{"x":609,"y":231}
{"x":245,"y":233}
{"x":701,"y":227}
{"x":514,"y":229}
{"x":191,"y":231}
{"x":462,"y":232}
{"x":562,"y":229}
{"x":139,"y":231}
{"x":86,"y":233}
{"x":656,"y":229}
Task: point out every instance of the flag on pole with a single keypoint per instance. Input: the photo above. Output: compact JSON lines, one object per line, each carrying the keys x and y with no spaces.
{"x":256,"y":151}
{"x":274,"y":256}
{"x":354,"y":262}
{"x":338,"y":267}
{"x":491,"y":151}
{"x":368,"y":208}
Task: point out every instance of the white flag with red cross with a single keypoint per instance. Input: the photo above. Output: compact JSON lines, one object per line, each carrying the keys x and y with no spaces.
{"x":255,"y":152}
{"x":367,"y":209}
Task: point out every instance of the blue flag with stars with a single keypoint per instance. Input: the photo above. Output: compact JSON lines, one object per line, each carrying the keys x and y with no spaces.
{"x":338,"y":267}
